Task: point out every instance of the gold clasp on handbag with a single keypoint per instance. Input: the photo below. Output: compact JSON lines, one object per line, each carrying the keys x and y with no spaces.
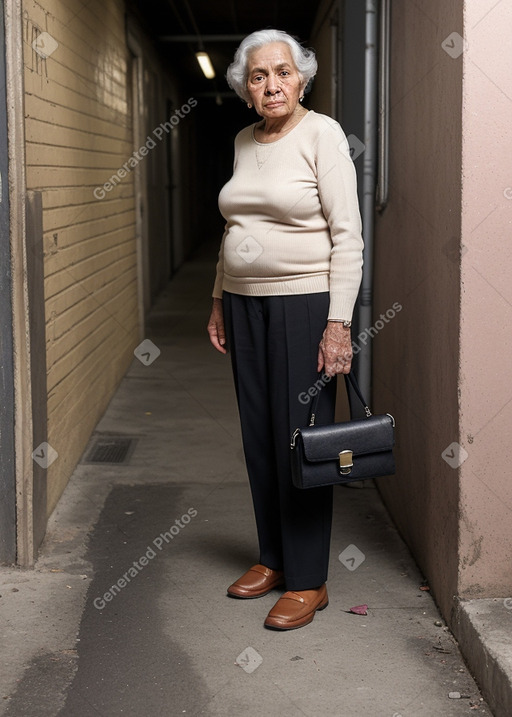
{"x":346,"y":464}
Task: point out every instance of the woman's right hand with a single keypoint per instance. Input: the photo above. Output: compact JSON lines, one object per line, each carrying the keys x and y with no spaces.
{"x":216,"y":326}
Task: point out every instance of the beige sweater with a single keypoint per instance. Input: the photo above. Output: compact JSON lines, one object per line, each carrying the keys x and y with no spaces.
{"x":293,"y":223}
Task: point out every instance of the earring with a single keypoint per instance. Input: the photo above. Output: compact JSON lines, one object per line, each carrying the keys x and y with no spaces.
{"x":249,"y":105}
{"x":301,"y":98}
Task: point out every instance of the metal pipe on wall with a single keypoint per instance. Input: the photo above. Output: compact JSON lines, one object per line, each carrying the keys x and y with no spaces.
{"x":382,"y":190}
{"x":369,"y":182}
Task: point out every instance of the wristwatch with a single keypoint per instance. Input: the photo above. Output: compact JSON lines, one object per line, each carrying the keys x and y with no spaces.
{"x":346,"y":324}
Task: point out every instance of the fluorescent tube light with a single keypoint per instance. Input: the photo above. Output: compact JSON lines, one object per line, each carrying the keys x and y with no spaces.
{"x":206,"y":65}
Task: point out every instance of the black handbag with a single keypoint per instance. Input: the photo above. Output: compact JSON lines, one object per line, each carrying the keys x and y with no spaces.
{"x":343,"y":452}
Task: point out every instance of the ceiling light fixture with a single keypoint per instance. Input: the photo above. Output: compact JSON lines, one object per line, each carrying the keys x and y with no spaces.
{"x":206,"y":65}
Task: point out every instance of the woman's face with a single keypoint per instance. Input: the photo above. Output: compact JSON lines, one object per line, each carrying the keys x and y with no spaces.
{"x":273,"y":83}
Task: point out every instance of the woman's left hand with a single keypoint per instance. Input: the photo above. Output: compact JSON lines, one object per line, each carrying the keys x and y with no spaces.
{"x":335,"y":350}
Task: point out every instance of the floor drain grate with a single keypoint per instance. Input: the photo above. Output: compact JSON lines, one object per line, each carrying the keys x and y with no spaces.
{"x":111,"y":449}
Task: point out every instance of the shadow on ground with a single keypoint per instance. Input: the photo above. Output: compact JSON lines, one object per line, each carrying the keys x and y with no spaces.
{"x":125,"y":662}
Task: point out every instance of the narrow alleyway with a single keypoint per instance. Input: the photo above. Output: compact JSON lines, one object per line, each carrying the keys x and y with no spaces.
{"x":170,"y":528}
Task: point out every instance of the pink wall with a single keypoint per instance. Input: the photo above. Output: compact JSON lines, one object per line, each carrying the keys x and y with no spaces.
{"x":443,"y":251}
{"x":485,"y":563}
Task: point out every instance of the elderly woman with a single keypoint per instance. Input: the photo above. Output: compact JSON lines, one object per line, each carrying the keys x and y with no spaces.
{"x":288,"y":274}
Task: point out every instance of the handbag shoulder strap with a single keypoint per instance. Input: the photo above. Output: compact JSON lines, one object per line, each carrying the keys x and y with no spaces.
{"x":349,"y":379}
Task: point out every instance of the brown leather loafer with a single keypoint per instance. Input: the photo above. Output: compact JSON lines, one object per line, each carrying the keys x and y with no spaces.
{"x":256,"y":582}
{"x":296,"y":608}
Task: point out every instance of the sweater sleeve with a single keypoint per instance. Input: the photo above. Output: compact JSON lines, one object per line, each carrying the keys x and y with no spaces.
{"x":219,"y":276}
{"x":337,"y":189}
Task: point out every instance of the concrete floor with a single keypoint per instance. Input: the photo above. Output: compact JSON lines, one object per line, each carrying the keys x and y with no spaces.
{"x":171,"y":642}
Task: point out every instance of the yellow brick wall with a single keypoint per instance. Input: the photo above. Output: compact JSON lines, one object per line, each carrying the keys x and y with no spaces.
{"x":78,"y":133}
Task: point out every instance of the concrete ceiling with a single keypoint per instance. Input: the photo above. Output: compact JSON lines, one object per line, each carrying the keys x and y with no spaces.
{"x":186,"y":21}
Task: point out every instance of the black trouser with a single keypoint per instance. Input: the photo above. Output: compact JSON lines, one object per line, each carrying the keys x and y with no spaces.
{"x":273,"y":342}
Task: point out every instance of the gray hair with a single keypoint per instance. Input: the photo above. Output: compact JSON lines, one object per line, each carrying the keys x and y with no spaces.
{"x":237,"y":73}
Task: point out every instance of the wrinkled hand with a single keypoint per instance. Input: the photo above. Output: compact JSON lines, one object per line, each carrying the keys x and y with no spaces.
{"x":216,"y":326}
{"x":335,"y":349}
